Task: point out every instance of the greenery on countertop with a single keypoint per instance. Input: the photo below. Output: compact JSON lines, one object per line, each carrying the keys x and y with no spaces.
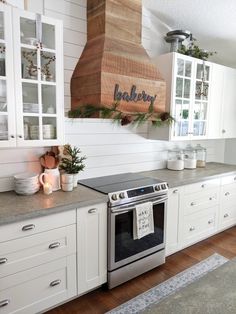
{"x":71,"y":163}
{"x":137,"y":118}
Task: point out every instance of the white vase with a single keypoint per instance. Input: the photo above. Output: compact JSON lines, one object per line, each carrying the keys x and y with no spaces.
{"x":76,"y":175}
{"x":67,"y":178}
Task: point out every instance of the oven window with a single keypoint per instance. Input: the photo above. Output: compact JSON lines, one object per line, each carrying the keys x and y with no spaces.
{"x":125,"y":245}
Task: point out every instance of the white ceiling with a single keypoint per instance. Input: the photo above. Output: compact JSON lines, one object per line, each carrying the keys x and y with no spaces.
{"x":212,"y":22}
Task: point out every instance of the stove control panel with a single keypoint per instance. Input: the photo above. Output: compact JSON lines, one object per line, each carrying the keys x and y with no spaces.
{"x":125,"y":196}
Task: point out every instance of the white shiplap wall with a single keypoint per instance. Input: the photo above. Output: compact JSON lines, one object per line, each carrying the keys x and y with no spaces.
{"x":110,"y":149}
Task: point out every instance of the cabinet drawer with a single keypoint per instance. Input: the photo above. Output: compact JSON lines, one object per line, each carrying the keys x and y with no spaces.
{"x":21,"y":254}
{"x":197,"y":201}
{"x":227,"y":215}
{"x":202,"y":186}
{"x":228,"y":192}
{"x":32,"y":226}
{"x":39,"y":288}
{"x":228,"y":179}
{"x":199,"y":225}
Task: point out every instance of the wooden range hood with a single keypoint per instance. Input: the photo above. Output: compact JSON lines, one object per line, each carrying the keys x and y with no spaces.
{"x":114,"y":65}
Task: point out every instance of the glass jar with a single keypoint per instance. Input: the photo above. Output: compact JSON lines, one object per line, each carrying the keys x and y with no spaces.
{"x":190,"y":158}
{"x":201,"y":156}
{"x":175,"y":160}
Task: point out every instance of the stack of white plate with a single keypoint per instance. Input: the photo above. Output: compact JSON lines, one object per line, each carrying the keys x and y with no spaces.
{"x":48,"y":131}
{"x":32,"y":108}
{"x":26,"y":183}
{"x":34,"y":132}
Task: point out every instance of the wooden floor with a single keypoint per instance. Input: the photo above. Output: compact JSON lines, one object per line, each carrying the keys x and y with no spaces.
{"x":100,"y":301}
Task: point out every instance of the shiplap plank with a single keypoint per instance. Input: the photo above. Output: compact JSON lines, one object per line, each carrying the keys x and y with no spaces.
{"x":67,"y":75}
{"x":74,"y":37}
{"x":70,"y":63}
{"x":72,"y":50}
{"x":10,"y":169}
{"x":67,"y":89}
{"x":21,"y":155}
{"x":78,"y":2}
{"x":101,"y":126}
{"x":68,"y":21}
{"x":66,"y":8}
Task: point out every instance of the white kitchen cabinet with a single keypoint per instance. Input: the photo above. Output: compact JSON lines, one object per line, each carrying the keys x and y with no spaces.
{"x":229,"y":104}
{"x":91,"y":247}
{"x":172,"y":220}
{"x":7,"y":96}
{"x":187,"y":97}
{"x":227,"y":215}
{"x":31,"y":83}
{"x":38,"y":263}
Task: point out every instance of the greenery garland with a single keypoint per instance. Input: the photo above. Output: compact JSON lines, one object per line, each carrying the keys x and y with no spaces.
{"x":88,"y":111}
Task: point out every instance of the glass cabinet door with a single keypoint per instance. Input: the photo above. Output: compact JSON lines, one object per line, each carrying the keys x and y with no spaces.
{"x":182,"y":95}
{"x":7,"y":101}
{"x":39,"y":79}
{"x":200,"y":102}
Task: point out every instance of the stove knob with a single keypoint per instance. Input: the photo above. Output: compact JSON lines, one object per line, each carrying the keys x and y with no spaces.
{"x":122,"y":195}
{"x":157,"y":187}
{"x":163,"y":186}
{"x":114,"y":197}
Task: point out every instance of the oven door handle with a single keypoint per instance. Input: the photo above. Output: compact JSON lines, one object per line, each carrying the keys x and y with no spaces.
{"x":130,"y":207}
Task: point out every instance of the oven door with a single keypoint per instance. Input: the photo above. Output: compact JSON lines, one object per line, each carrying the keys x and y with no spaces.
{"x":122,"y":248}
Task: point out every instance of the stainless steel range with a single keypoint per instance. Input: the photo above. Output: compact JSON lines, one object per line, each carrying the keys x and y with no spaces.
{"x":129,"y":257}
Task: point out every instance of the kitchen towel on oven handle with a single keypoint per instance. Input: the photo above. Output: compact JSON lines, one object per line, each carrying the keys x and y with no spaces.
{"x":143,"y":222}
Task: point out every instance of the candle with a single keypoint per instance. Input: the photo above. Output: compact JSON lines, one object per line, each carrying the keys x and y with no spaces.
{"x":47,"y":188}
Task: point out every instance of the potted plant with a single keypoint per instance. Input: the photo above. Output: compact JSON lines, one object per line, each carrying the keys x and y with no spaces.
{"x":71,"y":163}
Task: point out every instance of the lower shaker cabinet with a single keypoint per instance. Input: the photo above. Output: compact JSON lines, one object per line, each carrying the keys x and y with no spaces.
{"x":172,"y":221}
{"x":38,"y":288}
{"x":91,"y":247}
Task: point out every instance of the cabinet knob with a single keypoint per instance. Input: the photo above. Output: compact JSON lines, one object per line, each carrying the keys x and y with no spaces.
{"x":20,"y":136}
{"x":12,"y":136}
{"x":226,"y":215}
{"x":193,"y":204}
{"x":191,"y":228}
{"x":92,"y":210}
{"x":3,"y":260}
{"x":223,"y":131}
{"x":175,"y":191}
{"x":234,"y":178}
{"x":28,"y":227}
{"x":4,"y":303}
{"x":55,"y":283}
{"x":203,"y":186}
{"x":210,"y":221}
{"x":227,"y":194}
{"x":54,"y":245}
{"x":211,"y":198}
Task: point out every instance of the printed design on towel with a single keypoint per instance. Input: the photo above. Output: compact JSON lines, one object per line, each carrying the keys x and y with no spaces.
{"x":143,"y":223}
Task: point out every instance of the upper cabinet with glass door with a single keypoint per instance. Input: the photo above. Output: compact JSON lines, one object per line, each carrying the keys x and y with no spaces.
{"x":7,"y":100}
{"x":188,"y":81}
{"x":39,"y":79}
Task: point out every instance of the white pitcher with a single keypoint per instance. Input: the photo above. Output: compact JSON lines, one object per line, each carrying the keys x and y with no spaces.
{"x":53,"y":177}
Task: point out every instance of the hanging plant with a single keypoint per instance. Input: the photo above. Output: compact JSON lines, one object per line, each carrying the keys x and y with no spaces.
{"x":137,"y":118}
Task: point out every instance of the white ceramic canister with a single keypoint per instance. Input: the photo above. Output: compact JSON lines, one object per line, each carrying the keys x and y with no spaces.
{"x":67,"y":178}
{"x":52,"y":176}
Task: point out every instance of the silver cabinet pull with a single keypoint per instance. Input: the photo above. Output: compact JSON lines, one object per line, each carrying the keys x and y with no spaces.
{"x":54,"y":245}
{"x":227,"y":194}
{"x":28,"y":227}
{"x":3,"y":260}
{"x":191,"y":228}
{"x":175,"y":191}
{"x":92,"y":210}
{"x":210,"y":221}
{"x":193,"y":204}
{"x":55,"y":283}
{"x":226,"y":215}
{"x":4,"y":303}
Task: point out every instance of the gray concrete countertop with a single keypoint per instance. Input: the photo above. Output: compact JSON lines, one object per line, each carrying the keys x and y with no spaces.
{"x":187,"y":176}
{"x":14,"y":207}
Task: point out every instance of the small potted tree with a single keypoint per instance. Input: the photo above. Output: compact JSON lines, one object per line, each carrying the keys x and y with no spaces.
{"x":71,"y":163}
